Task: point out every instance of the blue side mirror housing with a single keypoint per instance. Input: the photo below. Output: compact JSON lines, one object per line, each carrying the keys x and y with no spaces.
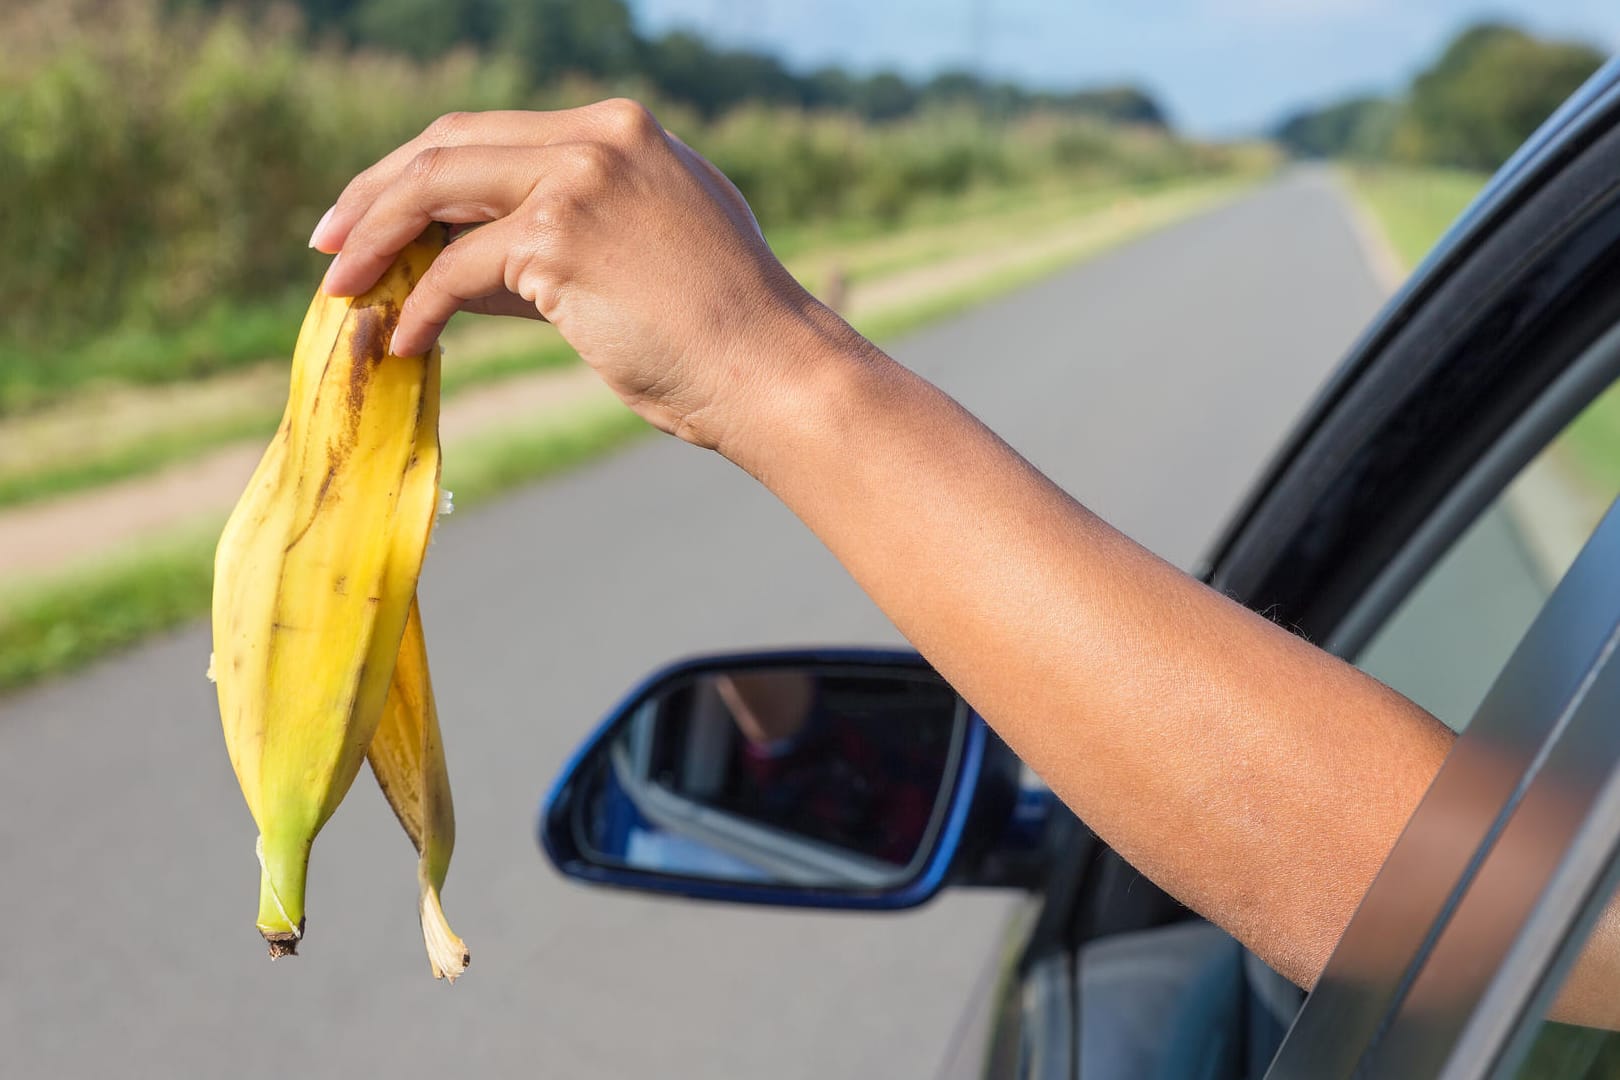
{"x":846,"y":778}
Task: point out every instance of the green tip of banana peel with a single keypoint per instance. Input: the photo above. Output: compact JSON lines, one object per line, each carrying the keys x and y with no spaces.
{"x":281,"y":907}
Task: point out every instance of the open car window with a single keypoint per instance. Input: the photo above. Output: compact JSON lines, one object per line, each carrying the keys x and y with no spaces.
{"x":1447,"y":641}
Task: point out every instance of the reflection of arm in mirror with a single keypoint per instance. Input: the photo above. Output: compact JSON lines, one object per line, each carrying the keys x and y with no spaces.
{"x":1254,"y":776}
{"x":808,"y":761}
{"x":770,"y":709}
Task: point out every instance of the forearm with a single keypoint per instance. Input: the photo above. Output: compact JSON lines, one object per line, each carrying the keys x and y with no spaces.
{"x":1253,"y":776}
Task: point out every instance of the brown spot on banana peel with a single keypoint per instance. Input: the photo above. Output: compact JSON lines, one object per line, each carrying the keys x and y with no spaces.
{"x":334,"y":460}
{"x":374,"y":324}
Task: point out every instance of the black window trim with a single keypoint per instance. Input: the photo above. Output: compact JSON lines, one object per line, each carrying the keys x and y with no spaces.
{"x":1579,"y":384}
{"x":1584,"y":119}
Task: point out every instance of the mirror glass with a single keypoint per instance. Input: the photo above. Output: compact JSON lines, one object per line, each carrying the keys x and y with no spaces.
{"x":826,"y":777}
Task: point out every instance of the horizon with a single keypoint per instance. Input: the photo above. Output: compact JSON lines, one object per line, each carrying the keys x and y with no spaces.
{"x":1217,"y":67}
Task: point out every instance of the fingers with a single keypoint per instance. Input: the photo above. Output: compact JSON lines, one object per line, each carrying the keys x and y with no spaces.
{"x":472,"y":268}
{"x":605,"y":119}
{"x":458,"y":185}
{"x":508,"y":128}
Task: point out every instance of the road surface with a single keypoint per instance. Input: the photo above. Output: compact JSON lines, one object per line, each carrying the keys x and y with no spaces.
{"x":1152,"y":383}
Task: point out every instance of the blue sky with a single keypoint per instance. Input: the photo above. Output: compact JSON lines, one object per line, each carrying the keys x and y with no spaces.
{"x":1221,"y":66}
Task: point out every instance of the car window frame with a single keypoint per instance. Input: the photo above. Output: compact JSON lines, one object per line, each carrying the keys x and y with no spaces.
{"x":1240,"y":558}
{"x":1413,"y":411}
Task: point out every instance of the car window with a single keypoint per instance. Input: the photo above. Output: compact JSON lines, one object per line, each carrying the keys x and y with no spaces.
{"x":1557,"y":1049}
{"x":1445,"y":643}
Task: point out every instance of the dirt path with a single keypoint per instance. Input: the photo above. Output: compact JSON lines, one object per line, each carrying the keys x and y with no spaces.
{"x":40,"y":538}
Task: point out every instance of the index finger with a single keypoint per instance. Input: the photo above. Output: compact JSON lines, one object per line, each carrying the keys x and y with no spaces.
{"x":461,"y":185}
{"x":499,"y":128}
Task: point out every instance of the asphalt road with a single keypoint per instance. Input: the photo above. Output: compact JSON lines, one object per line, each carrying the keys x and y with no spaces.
{"x":1152,"y":383}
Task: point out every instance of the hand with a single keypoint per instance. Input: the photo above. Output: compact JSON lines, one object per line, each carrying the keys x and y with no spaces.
{"x":640,"y":252}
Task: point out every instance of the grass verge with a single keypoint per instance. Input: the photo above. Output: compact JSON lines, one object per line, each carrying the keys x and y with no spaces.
{"x":221,"y":337}
{"x":1414,"y":206}
{"x":138,"y":458}
{"x":63,"y":625}
{"x":887,"y":325}
{"x":59,"y":625}
{"x":938,"y":231}
{"x":157,"y":451}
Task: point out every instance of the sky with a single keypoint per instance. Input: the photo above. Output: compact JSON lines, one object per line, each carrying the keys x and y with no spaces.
{"x":1222,"y":67}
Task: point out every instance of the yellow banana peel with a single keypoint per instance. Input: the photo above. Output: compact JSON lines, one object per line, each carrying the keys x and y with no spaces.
{"x":407,"y":758}
{"x":317,"y":647}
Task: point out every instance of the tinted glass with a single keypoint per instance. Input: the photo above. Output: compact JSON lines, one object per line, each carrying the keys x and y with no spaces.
{"x":1576,"y":1039}
{"x":1446,"y":642}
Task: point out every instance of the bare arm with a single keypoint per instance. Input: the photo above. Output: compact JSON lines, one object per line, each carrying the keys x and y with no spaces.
{"x":1253,"y":776}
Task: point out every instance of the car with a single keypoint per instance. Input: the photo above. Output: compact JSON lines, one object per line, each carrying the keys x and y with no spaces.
{"x":1425,"y":521}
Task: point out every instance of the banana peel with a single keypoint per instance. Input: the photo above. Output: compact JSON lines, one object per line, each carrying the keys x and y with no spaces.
{"x":318,"y":646}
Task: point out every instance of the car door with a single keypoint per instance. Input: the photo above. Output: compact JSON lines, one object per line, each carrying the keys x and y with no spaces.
{"x":1417,"y":525}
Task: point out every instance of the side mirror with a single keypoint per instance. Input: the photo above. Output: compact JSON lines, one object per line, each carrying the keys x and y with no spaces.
{"x":820,"y":779}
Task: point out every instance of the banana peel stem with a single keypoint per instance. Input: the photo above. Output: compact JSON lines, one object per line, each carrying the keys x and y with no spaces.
{"x":447,"y":954}
{"x":276,"y":925}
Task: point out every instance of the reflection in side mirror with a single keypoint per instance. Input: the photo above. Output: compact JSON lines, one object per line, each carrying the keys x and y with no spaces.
{"x":760,"y":774}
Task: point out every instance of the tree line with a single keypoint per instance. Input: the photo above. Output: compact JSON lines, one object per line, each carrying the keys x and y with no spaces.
{"x":1471,"y":108}
{"x":554,"y":40}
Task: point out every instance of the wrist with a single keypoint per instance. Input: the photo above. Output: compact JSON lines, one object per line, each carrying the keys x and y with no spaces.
{"x":813,"y":373}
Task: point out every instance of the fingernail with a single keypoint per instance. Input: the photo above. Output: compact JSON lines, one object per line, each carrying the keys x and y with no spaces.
{"x":392,"y":351}
{"x":330,"y":267}
{"x":321,"y":224}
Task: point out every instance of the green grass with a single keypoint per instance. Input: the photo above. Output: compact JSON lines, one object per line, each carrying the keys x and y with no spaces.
{"x":63,"y":624}
{"x":937,"y":230}
{"x":153,"y":452}
{"x":892,"y":324}
{"x":1592,"y":443}
{"x":1414,"y":206}
{"x":465,"y":374}
{"x":221,"y":338}
{"x":137,"y":458}
{"x":486,"y":466}
{"x":228,"y":335}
